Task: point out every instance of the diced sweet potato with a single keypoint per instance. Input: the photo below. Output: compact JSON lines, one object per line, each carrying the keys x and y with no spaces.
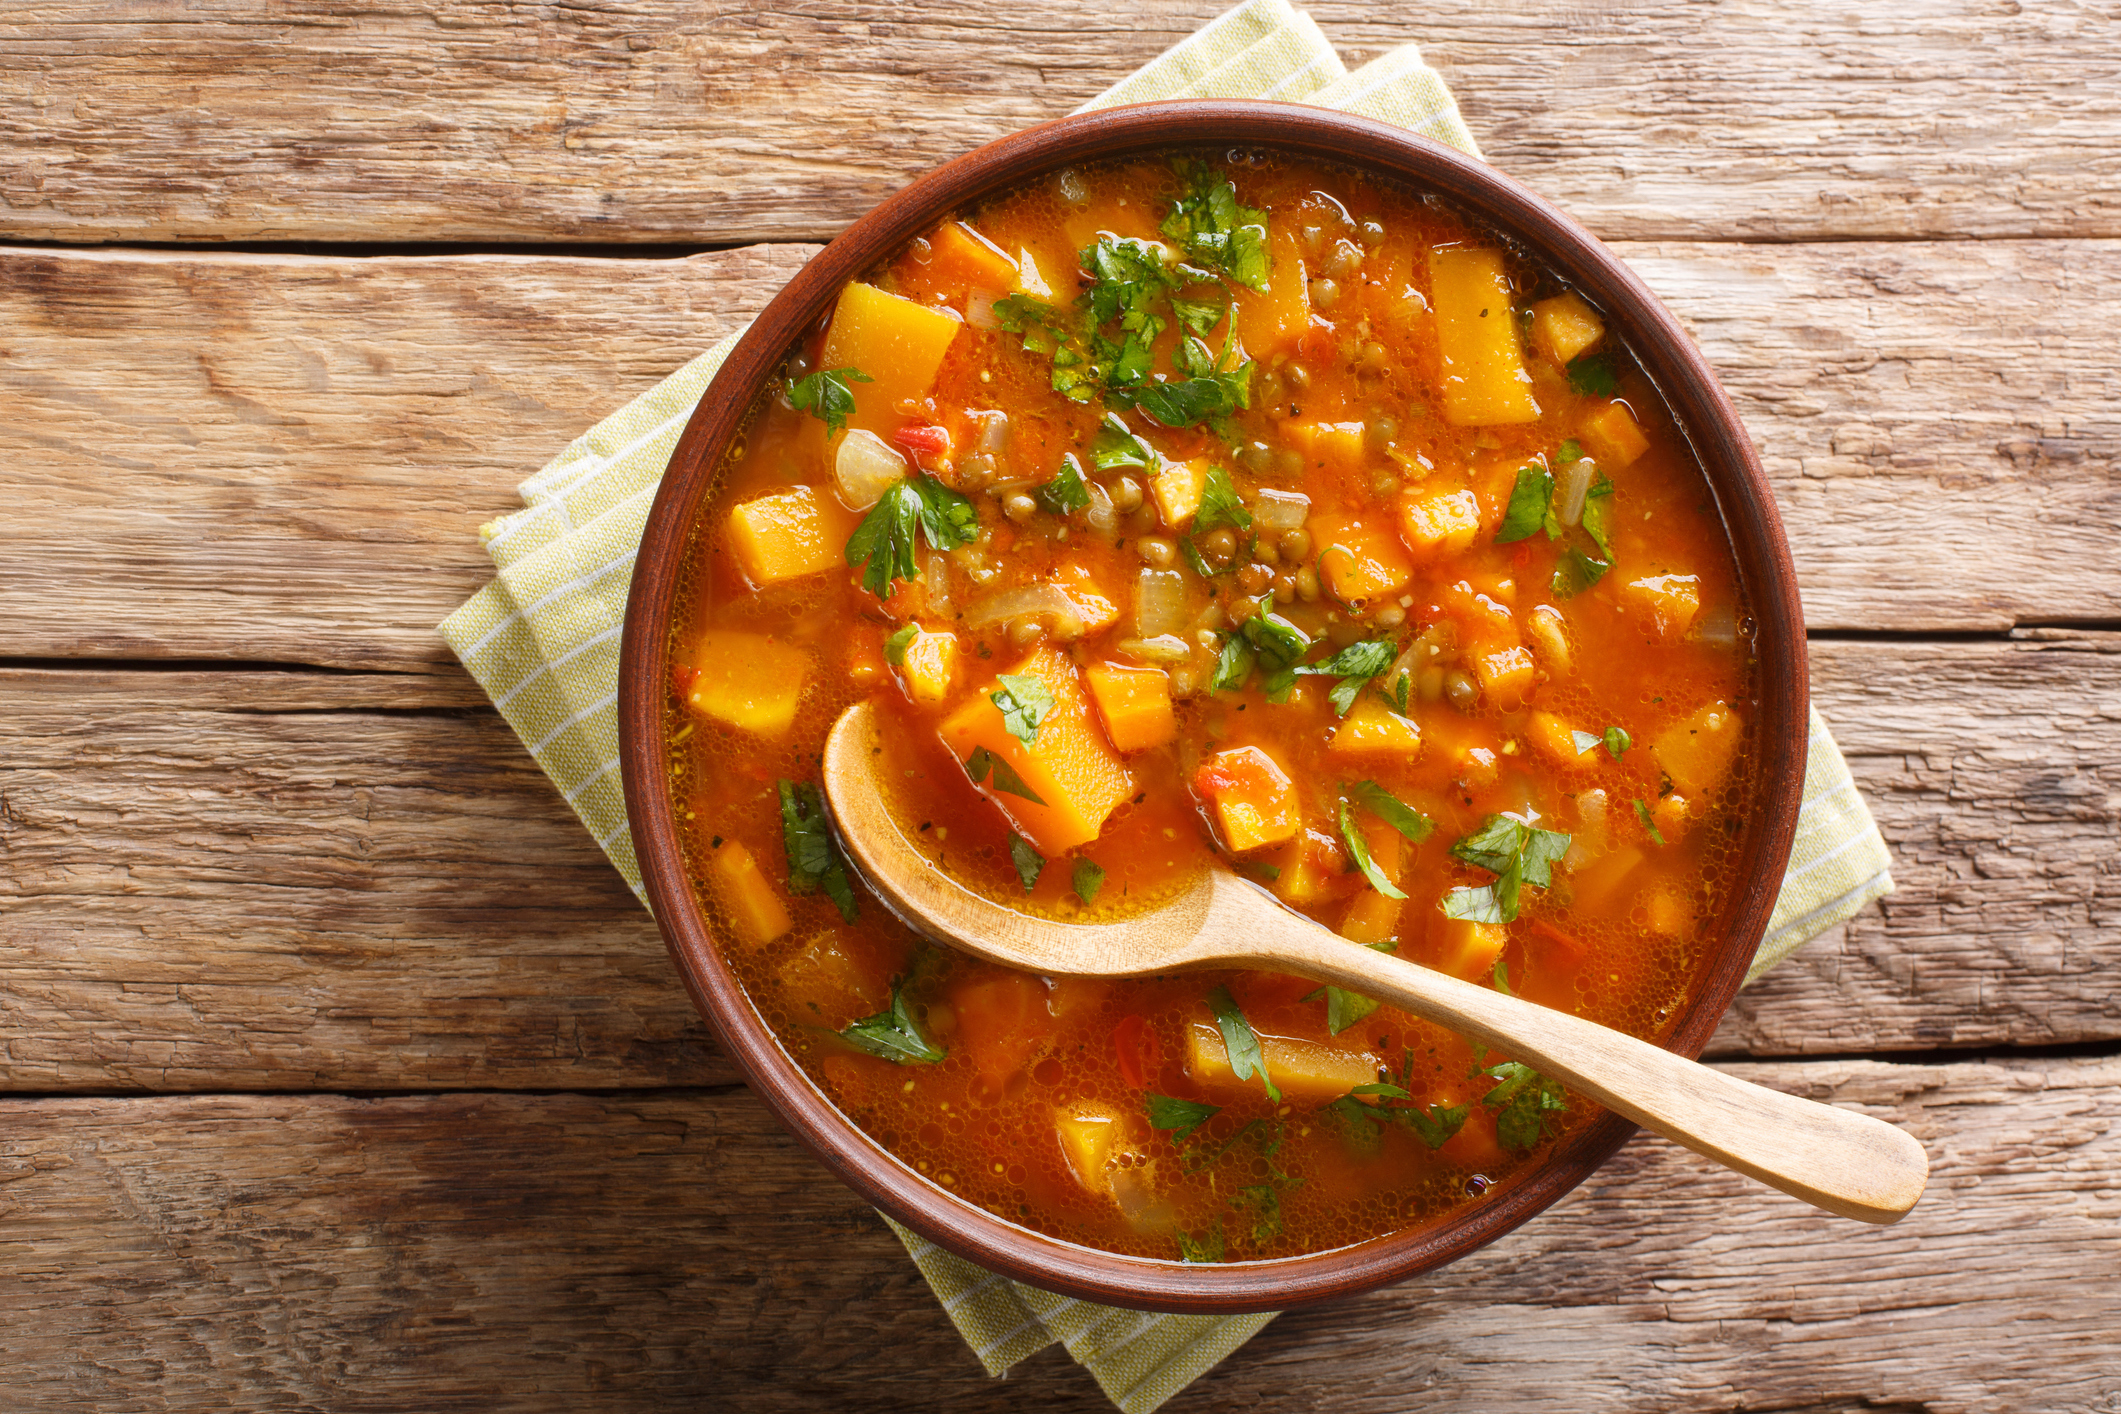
{"x":1613,"y":436}
{"x":1468,"y":950}
{"x":1438,"y":522}
{"x":898,"y":343}
{"x":1484,"y":382}
{"x":788,"y":535}
{"x":1370,"y":726}
{"x":1301,"y":1069}
{"x":755,"y":909}
{"x":1002,"y":1023}
{"x":930,"y":667}
{"x":960,"y":258}
{"x":1697,"y":752}
{"x":1336,"y":445}
{"x":1566,"y":327}
{"x":1361,"y":557}
{"x":1371,"y":917}
{"x":1505,"y":673}
{"x":1309,"y":866}
{"x":1069,"y":765}
{"x":1557,"y":739}
{"x":1254,"y":799}
{"x":1672,"y":816}
{"x":1667,"y":602}
{"x":748,"y":680}
{"x":833,"y":982}
{"x":1135,"y":704}
{"x":1273,"y":319}
{"x":1092,"y":1133}
{"x":1178,"y":489}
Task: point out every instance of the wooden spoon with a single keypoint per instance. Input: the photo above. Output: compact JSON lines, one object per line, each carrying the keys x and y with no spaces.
{"x":1839,"y":1160}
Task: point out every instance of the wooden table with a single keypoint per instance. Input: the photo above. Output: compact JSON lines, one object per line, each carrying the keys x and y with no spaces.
{"x":342,"y":1072}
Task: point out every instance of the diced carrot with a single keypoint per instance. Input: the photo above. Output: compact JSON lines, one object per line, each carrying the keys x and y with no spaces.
{"x":834,"y":981}
{"x":1438,"y":522}
{"x":1135,"y":1045}
{"x":1505,"y":674}
{"x":748,"y":680}
{"x":788,"y":535}
{"x":1371,"y":727}
{"x":1566,"y":327}
{"x":1094,"y":609}
{"x":1672,"y":815}
{"x":1484,"y":381}
{"x":898,"y":343}
{"x":1178,"y":489}
{"x":1362,"y":558}
{"x":1335,"y":445}
{"x":1135,"y":704}
{"x":1697,"y":751}
{"x":1069,"y":764}
{"x":1557,"y":739}
{"x":1665,"y":912}
{"x":1469,"y":949}
{"x":1301,"y":1069}
{"x":1002,"y":1023}
{"x":930,"y":667}
{"x":927,"y":438}
{"x":1613,"y":436}
{"x":1666,"y":602}
{"x":1092,"y":1134}
{"x":1310,"y":867}
{"x":755,"y":910}
{"x":1372,"y":917}
{"x":960,"y":258}
{"x":1254,"y":799}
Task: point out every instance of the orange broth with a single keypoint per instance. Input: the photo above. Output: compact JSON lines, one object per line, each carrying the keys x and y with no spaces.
{"x":1504,"y":510}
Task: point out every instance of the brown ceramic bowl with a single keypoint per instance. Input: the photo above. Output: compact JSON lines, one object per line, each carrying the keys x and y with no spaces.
{"x":1665,"y":353}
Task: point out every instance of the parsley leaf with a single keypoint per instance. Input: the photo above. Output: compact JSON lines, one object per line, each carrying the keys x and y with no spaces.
{"x":1617,"y":740}
{"x":1437,"y":1125}
{"x":1642,"y":813}
{"x":1475,"y":905}
{"x":826,"y":396}
{"x":895,"y":646}
{"x":1281,"y":646}
{"x":1194,"y":400}
{"x":1214,"y":230}
{"x":1115,"y":447}
{"x":1569,"y":451}
{"x":1233,"y":664}
{"x":1050,"y":332}
{"x":1219,"y":504}
{"x":1529,"y":500}
{"x":1198,"y":317}
{"x":885,"y":539}
{"x":1359,"y":851}
{"x":1597,"y":515}
{"x":1024,"y":702}
{"x":1267,"y":1199}
{"x":1208,"y":1247}
{"x":1065,"y":493}
{"x":981,"y":761}
{"x":814,"y":861}
{"x":1517,"y":854}
{"x":1354,"y":665}
{"x":1502,"y":978}
{"x":1523,"y":1102}
{"x":1345,"y":1009}
{"x":1089,"y":877}
{"x":1577,"y":571}
{"x":1592,"y":376}
{"x":1241,"y":1041}
{"x":1028,"y":861}
{"x":895,"y":1035}
{"x":1126,"y":276}
{"x":1393,"y":811}
{"x":1180,"y":1116}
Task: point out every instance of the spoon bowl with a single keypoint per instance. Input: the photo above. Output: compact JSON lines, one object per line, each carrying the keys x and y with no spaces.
{"x":1840,"y":1160}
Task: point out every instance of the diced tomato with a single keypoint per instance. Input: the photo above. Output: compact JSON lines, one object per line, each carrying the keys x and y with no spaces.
{"x":1138,"y":1052}
{"x":1213,"y":779}
{"x":923,"y":437}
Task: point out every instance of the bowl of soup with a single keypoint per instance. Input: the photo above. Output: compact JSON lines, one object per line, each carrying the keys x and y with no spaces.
{"x":1213,"y":486}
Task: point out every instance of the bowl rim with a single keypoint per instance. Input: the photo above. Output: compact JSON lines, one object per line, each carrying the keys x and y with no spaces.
{"x":1705,"y":417}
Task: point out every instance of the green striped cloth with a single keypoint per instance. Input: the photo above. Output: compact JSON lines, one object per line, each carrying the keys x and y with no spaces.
{"x":543,"y":641}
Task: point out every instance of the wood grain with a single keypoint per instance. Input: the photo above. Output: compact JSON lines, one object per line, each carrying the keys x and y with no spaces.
{"x":518,"y":1252}
{"x":285,"y":459}
{"x":283,"y":881}
{"x":369,"y":120}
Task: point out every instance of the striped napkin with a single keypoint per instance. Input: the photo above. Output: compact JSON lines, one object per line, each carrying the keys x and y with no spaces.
{"x":543,"y":641}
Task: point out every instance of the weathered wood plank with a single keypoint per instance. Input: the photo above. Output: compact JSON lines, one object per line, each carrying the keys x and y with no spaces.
{"x":286,"y":458}
{"x":345,"y":120}
{"x":288,"y":881}
{"x":635,"y":1252}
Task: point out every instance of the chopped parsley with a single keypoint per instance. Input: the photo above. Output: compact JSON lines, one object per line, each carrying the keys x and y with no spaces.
{"x":1524,"y":1103}
{"x":1028,"y":861}
{"x":1517,"y":854}
{"x":814,"y":862}
{"x":826,"y":396}
{"x":895,"y":1035}
{"x":1354,"y":665}
{"x":1281,"y":645}
{"x":1592,"y":376}
{"x":1241,"y":1041}
{"x":896,"y":645}
{"x":1065,"y":494}
{"x":1208,"y":1247}
{"x":1088,"y":878}
{"x":1529,"y":502}
{"x":1115,"y":447}
{"x":1220,"y":505}
{"x":1598,"y":514}
{"x":982,"y":761}
{"x":1266,"y":1199}
{"x":1642,"y":813}
{"x":1392,"y":810}
{"x":1436,"y":1124}
{"x":1577,"y":572}
{"x":1214,"y":231}
{"x":884,"y":542}
{"x":1359,"y":852}
{"x":1181,"y":1117}
{"x":1024,"y":702}
{"x":1233,"y":664}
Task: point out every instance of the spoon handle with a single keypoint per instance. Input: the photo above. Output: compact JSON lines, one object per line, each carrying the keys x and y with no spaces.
{"x":1836,"y":1159}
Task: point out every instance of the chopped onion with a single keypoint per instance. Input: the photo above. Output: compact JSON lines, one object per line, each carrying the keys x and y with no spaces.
{"x":1041,"y":597}
{"x":1718,"y":627}
{"x":935,"y":579}
{"x":865,"y":469}
{"x":1281,"y":510}
{"x":993,"y":431}
{"x":1575,"y":485}
{"x":979,"y":309}
{"x":1100,"y":515}
{"x":1159,"y":603}
{"x":1164,"y":648}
